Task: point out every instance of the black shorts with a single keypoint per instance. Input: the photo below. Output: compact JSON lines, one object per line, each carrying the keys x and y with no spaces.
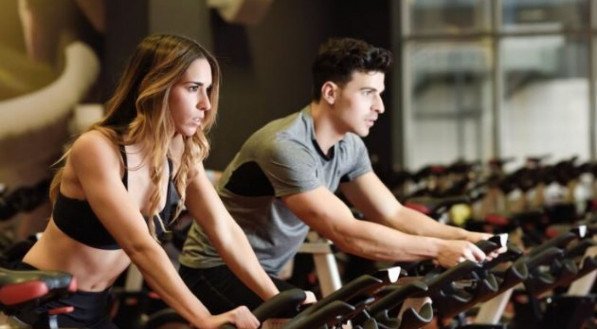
{"x":220,"y":290}
{"x":91,"y":309}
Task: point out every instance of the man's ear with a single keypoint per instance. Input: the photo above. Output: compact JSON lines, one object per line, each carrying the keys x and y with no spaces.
{"x":329,"y":92}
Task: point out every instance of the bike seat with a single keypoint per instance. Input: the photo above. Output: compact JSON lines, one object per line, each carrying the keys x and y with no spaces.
{"x":18,"y":287}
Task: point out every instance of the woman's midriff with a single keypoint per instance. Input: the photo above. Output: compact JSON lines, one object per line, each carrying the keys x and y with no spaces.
{"x":95,"y":269}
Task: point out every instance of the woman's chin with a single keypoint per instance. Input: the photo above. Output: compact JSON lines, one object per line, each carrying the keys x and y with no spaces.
{"x":190,"y":132}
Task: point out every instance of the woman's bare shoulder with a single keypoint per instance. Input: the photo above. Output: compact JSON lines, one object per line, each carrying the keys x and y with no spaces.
{"x":94,"y":146}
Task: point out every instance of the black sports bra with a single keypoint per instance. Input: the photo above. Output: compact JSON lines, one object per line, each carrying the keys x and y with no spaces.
{"x":77,"y":220}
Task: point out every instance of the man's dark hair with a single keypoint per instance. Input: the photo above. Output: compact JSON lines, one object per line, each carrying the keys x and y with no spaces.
{"x":339,"y":58}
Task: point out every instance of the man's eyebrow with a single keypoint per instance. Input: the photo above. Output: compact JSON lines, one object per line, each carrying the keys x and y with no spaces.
{"x":380,"y":91}
{"x":369,"y":88}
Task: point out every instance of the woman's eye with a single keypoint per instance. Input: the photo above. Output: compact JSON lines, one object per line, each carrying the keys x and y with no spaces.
{"x":193,"y":88}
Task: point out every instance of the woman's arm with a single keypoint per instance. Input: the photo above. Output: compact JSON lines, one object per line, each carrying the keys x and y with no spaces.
{"x":101,"y":182}
{"x":228,"y":238}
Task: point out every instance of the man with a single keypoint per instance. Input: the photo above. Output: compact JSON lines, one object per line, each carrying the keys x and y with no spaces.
{"x":281,"y":184}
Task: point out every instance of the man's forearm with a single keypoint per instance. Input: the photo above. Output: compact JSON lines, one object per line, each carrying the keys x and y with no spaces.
{"x":380,"y":242}
{"x":413,"y":222}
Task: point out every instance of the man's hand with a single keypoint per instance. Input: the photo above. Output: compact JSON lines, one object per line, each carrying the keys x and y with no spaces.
{"x":474,"y":237}
{"x":452,"y":252}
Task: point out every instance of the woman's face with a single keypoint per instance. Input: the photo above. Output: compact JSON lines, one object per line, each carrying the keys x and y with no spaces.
{"x":189,"y":98}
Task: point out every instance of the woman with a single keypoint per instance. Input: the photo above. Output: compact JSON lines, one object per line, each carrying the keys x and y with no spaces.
{"x":125,"y":180}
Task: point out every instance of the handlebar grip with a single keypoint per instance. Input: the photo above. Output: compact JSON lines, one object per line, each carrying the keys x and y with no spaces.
{"x":451,"y":274}
{"x":397,"y":296}
{"x":361,"y":285}
{"x":500,"y":239}
{"x":512,"y":253}
{"x":580,"y":248}
{"x":543,"y":257}
{"x":282,"y":304}
{"x":487,"y":246}
{"x":321,"y":316}
{"x":494,"y":243}
{"x":389,"y":275}
{"x":558,"y":242}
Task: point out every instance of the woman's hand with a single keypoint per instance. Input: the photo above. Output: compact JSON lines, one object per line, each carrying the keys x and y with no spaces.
{"x":241,"y":317}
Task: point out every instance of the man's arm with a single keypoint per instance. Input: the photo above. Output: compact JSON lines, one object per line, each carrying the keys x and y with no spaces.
{"x":377,"y":203}
{"x":329,"y":216}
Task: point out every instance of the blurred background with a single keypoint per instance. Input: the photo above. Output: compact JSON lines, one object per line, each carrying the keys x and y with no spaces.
{"x":473,"y":81}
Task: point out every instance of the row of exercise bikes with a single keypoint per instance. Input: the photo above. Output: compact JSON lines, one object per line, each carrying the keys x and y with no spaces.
{"x":557,"y":274}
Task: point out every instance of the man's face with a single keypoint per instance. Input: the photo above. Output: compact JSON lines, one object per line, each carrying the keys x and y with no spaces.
{"x":359,"y":103}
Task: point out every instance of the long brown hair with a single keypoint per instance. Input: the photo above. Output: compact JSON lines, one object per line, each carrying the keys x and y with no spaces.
{"x":138,"y":111}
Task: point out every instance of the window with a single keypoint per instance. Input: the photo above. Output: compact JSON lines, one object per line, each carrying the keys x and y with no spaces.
{"x":484,"y":79}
